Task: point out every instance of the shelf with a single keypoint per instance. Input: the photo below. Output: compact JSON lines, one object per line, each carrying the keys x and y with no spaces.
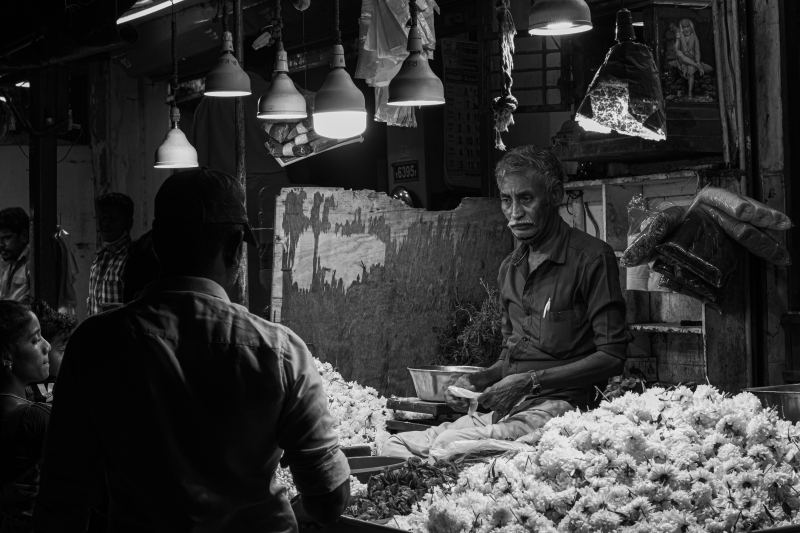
{"x":666,"y":327}
{"x":634,"y":180}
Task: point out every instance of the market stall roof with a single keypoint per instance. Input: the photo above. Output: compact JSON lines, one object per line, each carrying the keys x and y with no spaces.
{"x":49,"y":32}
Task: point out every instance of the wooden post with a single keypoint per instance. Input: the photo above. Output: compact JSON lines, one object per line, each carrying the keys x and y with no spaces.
{"x":46,"y":112}
{"x":240,"y":290}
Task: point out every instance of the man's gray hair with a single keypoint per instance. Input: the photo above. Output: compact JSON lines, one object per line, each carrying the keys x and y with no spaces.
{"x":530,"y":160}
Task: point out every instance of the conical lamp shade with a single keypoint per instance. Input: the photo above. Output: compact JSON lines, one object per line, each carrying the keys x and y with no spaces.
{"x":415,"y":84}
{"x":227,"y":78}
{"x":625,"y":95}
{"x":339,"y":108}
{"x":559,"y":17}
{"x":282,"y":101}
{"x":175,"y":151}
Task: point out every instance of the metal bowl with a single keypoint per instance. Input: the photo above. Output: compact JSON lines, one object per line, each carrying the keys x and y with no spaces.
{"x":431,"y":381}
{"x":784,"y":398}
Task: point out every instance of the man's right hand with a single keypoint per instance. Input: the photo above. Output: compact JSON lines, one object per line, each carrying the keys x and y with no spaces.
{"x":456,"y":403}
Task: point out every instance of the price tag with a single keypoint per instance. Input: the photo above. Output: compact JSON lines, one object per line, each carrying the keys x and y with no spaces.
{"x":405,"y":171}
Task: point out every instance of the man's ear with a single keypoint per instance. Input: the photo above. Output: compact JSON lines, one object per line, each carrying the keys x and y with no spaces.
{"x":557,"y":193}
{"x":233,"y":249}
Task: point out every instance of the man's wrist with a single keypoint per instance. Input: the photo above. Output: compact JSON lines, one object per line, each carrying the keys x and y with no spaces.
{"x":536,"y":386}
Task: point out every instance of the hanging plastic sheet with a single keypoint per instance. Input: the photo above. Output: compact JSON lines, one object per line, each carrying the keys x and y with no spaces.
{"x":383,"y":34}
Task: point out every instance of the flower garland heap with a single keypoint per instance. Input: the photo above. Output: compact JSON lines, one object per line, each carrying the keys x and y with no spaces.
{"x":359,"y":415}
{"x":662,"y":461}
{"x":359,"y":412}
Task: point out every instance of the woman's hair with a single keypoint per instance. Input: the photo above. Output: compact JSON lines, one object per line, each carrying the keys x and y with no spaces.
{"x":53,"y":323}
{"x":13,"y":318}
{"x":530,"y":160}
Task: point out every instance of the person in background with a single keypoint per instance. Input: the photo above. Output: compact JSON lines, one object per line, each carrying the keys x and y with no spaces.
{"x":205,"y":396}
{"x":15,"y":276}
{"x":563,"y":319}
{"x":23,"y":424}
{"x":114,"y":221}
{"x":56,"y":329}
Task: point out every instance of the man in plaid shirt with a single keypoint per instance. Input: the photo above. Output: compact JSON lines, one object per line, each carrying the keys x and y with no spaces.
{"x":114,"y":219}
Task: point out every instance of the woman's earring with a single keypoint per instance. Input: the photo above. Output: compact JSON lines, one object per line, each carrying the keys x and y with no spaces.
{"x":8,"y":365}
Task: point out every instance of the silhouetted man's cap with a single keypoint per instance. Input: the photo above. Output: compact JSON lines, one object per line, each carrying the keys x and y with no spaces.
{"x":201,"y":196}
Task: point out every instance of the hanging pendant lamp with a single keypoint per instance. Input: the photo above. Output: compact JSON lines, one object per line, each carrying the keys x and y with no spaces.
{"x":227,"y":78}
{"x":415,"y":84}
{"x":559,"y":17}
{"x":282,"y":101}
{"x":625,"y":94}
{"x":339,"y":108}
{"x":175,"y":151}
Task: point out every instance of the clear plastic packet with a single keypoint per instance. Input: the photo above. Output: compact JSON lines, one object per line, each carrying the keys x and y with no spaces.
{"x":656,"y":226}
{"x":744,"y":208}
{"x":751,"y":238}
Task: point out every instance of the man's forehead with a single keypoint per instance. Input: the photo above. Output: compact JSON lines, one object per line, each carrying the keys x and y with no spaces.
{"x":521,"y":181}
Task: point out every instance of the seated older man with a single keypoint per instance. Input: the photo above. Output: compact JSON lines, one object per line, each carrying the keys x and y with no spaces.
{"x":564,"y":325}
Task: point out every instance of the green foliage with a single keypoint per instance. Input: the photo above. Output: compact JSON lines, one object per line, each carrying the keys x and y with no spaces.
{"x":473,"y":333}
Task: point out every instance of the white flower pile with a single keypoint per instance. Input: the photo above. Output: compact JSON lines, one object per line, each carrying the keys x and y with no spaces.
{"x":663,"y":461}
{"x":359,"y":412}
{"x":359,"y":415}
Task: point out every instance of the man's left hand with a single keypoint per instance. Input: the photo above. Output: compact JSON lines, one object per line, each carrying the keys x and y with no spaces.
{"x":504,"y":395}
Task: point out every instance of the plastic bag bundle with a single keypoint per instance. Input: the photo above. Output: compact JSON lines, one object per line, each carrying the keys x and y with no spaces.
{"x":753,"y":239}
{"x":679,"y":279}
{"x":744,"y":208}
{"x":656,"y":227}
{"x":383,"y":37}
{"x":702,"y":247}
{"x":392,"y":115}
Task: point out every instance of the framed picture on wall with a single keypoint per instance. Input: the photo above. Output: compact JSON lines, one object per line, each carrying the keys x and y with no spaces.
{"x":685,"y":38}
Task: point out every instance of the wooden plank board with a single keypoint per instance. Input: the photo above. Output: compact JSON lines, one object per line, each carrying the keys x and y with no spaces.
{"x":680,"y":358}
{"x":368,"y":282}
{"x":418,"y":406}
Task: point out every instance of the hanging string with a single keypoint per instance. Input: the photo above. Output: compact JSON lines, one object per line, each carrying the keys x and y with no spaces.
{"x":278,"y":29}
{"x":504,"y":105}
{"x":174,"y":27}
{"x":338,"y":34}
{"x":224,"y":15}
{"x":174,"y":113}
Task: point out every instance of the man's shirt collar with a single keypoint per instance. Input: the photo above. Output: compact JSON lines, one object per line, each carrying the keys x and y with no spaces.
{"x":117,"y":246}
{"x":189,"y":284}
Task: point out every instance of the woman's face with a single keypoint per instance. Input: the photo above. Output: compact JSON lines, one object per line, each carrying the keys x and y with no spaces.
{"x":30,"y":357}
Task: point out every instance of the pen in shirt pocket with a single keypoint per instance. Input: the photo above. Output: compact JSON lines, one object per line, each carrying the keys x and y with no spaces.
{"x":546,"y":308}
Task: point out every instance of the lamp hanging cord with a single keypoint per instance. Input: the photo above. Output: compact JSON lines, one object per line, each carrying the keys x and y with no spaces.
{"x":338,"y":34}
{"x":174,"y":113}
{"x":504,"y":105}
{"x":279,"y":24}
